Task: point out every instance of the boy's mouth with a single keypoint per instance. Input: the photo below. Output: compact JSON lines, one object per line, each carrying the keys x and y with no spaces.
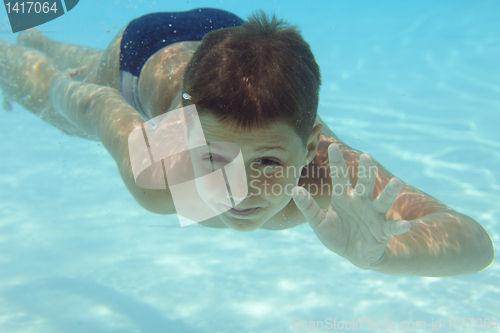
{"x":241,"y":212}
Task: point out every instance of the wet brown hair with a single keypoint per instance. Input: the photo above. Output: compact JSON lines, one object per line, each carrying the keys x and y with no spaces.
{"x":254,"y":75}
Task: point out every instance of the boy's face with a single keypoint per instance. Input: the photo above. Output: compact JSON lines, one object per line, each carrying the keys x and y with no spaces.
{"x":273,"y":160}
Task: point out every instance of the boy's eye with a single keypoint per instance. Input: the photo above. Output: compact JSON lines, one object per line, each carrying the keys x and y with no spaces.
{"x":219,"y":161}
{"x":267,"y":161}
{"x":214,"y":162}
{"x":215,"y":159}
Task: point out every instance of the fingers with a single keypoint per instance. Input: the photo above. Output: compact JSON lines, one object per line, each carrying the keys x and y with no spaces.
{"x":75,"y":71}
{"x":68,"y":74}
{"x":338,"y":167}
{"x":366,"y":177}
{"x":394,"y":228}
{"x":308,"y":206}
{"x":388,"y":196}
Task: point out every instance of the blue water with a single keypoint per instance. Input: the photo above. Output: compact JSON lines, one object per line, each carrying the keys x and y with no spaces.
{"x":416,"y":84}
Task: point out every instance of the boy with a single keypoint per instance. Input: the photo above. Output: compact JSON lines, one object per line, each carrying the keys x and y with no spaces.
{"x":255,"y":86}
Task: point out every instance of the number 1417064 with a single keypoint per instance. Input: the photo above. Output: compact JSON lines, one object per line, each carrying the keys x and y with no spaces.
{"x":470,"y":323}
{"x":30,"y":7}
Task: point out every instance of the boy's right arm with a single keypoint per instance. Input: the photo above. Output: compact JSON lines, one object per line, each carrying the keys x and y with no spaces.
{"x":102,"y":112}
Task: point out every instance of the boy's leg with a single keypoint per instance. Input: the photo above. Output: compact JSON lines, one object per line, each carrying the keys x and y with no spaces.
{"x":107,"y":71}
{"x":25,"y":77}
{"x":101,"y":66}
{"x":63,"y":55}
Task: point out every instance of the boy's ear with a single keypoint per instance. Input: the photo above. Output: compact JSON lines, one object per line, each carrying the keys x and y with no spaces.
{"x":313,"y":143}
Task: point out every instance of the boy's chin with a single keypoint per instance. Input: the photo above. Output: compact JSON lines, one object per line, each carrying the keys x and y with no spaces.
{"x":242,"y":225}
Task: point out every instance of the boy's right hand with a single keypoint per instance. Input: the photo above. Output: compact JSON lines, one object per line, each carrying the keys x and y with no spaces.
{"x":355,"y":225}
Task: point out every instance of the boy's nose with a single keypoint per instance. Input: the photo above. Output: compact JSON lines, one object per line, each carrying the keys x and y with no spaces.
{"x":238,"y":184}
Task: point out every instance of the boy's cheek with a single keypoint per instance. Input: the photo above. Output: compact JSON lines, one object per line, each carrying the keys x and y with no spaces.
{"x":273,"y":187}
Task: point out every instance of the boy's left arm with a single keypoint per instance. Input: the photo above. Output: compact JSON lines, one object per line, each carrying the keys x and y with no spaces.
{"x":441,"y":242}
{"x":391,"y":227}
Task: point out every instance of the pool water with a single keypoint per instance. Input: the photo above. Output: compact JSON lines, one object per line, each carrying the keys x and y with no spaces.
{"x":415,"y":84}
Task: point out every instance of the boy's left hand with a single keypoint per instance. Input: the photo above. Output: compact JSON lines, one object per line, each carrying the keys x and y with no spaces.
{"x":354,"y":226}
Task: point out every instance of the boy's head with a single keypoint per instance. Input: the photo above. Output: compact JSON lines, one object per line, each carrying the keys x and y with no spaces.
{"x":254,"y":75}
{"x":255,"y":86}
